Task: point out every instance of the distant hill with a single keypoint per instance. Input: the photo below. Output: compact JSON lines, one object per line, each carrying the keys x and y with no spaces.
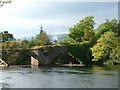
{"x":27,"y":38}
{"x":58,"y":37}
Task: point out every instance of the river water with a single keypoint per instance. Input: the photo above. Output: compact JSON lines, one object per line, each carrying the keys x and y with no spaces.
{"x":58,"y":77}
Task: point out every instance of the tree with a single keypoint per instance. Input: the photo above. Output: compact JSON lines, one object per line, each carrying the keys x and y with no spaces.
{"x":115,"y":52}
{"x":44,"y":38}
{"x":33,"y":42}
{"x":5,"y":36}
{"x":107,"y":26}
{"x":89,"y":35}
{"x":67,"y":41}
{"x":41,"y":39}
{"x":83,"y":30}
{"x":106,"y":47}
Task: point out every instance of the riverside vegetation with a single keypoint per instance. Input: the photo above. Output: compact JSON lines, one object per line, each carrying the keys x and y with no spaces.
{"x":86,"y":45}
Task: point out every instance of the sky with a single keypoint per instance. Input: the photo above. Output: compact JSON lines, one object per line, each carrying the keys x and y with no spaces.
{"x":23,"y":18}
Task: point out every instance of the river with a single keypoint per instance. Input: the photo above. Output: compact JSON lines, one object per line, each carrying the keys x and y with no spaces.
{"x":58,"y":77}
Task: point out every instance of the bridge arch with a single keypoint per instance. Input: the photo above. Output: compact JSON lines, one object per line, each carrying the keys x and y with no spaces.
{"x":38,"y":57}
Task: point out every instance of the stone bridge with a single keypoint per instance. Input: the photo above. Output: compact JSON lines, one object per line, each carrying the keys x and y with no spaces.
{"x":45,"y":56}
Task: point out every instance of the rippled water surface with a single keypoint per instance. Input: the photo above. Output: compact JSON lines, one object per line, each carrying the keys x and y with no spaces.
{"x":58,"y":77}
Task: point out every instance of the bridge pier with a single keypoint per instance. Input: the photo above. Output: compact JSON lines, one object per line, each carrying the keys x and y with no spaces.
{"x":2,"y":63}
{"x":34,"y":62}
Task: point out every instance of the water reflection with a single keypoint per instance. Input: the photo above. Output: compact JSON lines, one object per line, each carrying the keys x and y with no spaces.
{"x":58,"y":77}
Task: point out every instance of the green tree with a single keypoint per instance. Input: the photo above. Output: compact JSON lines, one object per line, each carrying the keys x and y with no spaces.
{"x":33,"y":42}
{"x":44,"y":38}
{"x":83,"y":30}
{"x":106,"y":47}
{"x":107,"y":26}
{"x":5,"y":36}
{"x":115,"y":52}
{"x":67,"y":41}
{"x":41,"y":39}
{"x":89,"y":35}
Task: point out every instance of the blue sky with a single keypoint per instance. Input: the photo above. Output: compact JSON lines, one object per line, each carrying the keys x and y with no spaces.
{"x":24,"y":17}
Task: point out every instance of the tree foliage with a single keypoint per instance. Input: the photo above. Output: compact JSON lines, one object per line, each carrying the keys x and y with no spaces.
{"x":5,"y":36}
{"x":44,"y":39}
{"x":83,"y":30}
{"x":41,"y":39}
{"x":106,"y":47}
{"x":112,"y":25}
{"x":81,"y":52}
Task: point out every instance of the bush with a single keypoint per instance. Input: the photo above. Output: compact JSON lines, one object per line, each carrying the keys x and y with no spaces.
{"x":81,"y":52}
{"x":78,"y":53}
{"x":112,"y":62}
